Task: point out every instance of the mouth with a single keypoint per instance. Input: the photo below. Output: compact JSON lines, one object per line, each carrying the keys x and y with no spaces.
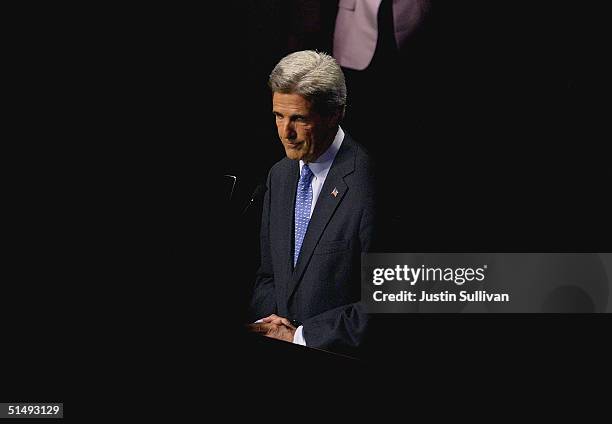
{"x":294,"y":146}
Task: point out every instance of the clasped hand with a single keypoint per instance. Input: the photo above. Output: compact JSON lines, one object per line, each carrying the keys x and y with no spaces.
{"x":275,"y":327}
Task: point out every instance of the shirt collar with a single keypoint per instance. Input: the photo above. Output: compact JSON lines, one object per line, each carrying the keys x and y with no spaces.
{"x":321,"y":166}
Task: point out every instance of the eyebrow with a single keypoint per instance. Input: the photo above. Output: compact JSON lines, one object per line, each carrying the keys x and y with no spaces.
{"x":297,"y":115}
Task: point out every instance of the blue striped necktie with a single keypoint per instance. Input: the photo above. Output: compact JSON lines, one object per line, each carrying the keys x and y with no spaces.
{"x":303,"y":203}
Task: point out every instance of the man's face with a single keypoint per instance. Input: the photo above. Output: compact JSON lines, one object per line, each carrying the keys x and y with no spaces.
{"x":305,"y":133}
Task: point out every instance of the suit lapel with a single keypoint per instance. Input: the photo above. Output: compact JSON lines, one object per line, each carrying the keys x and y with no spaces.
{"x":287,"y":216}
{"x":327,"y":203}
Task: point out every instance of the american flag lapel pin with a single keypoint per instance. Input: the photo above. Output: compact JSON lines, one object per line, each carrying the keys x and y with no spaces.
{"x":334,"y":192}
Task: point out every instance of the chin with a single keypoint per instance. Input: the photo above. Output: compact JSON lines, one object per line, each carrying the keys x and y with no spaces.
{"x":294,"y":155}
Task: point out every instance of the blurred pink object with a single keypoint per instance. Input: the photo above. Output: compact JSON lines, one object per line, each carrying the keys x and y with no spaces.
{"x":356,"y":29}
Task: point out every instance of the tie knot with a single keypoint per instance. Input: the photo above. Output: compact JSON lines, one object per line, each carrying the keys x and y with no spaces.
{"x":306,"y":174}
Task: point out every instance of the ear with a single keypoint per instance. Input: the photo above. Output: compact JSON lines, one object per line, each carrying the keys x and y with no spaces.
{"x":333,"y":121}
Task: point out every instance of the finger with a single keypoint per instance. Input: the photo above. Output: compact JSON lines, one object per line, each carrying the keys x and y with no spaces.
{"x":281,"y":333}
{"x":282,"y":321}
{"x":275,"y":319}
{"x":270,"y":318}
{"x":273,"y":332}
{"x":259,"y":328}
{"x":286,"y":322}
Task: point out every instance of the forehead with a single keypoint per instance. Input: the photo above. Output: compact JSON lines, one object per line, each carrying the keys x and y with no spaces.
{"x":290,"y":103}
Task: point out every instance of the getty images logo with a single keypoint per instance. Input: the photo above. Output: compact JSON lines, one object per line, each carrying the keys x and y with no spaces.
{"x":413,"y":275}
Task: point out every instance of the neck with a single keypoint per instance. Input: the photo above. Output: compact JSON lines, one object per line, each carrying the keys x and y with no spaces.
{"x":329,"y":139}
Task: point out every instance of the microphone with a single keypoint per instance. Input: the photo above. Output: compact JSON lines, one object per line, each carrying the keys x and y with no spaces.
{"x":233,"y":178}
{"x":259,"y":191}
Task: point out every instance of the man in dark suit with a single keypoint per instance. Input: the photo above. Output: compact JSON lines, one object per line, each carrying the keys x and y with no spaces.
{"x":318,"y":213}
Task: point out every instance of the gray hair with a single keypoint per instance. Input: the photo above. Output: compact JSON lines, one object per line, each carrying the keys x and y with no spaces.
{"x":314,"y":75}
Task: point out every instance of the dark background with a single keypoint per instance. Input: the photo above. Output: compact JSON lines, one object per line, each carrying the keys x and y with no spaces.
{"x":500,"y":147}
{"x":487,"y":129}
{"x":488,"y":136}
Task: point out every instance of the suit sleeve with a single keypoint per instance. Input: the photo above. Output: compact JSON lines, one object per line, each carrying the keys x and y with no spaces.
{"x":263,"y":301}
{"x":340,"y":330}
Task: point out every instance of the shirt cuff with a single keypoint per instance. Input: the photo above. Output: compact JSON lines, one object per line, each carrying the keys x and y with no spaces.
{"x":298,"y":337}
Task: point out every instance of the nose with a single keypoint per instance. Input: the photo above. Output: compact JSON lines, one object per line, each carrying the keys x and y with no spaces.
{"x":286,"y":129}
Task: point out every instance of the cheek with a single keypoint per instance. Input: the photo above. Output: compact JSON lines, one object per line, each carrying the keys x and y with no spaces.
{"x":279,"y":130}
{"x":306,"y":135}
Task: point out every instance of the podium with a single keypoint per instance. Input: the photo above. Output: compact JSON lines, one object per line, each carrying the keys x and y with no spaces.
{"x":259,"y":347}
{"x":262,"y":359}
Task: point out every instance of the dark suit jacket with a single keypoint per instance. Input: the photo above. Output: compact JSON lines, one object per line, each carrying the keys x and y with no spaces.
{"x":324,"y":289}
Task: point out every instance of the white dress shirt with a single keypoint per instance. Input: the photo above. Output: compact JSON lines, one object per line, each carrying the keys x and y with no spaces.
{"x":320,"y":168}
